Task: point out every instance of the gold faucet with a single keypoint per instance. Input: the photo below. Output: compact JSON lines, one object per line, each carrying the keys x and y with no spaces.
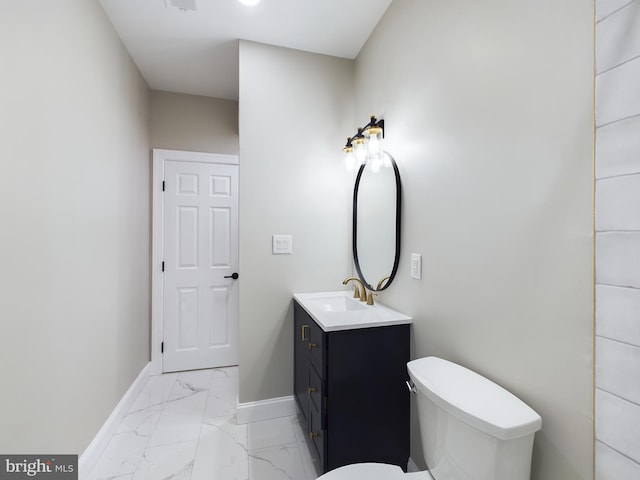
{"x":381,"y":282}
{"x":362,"y":295}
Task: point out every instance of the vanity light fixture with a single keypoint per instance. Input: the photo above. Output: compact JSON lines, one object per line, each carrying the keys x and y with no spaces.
{"x":365,"y":144}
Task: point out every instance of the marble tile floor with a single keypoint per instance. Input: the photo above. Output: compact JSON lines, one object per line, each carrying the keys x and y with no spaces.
{"x":182,"y":426}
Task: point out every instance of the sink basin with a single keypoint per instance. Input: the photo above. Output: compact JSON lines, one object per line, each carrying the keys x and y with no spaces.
{"x":336,"y":303}
{"x":340,"y":311}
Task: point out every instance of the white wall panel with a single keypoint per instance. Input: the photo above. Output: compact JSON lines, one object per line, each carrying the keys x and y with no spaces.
{"x":618,"y":38}
{"x":618,"y":241}
{"x":618,"y":258}
{"x":617,"y":147}
{"x":617,"y":93}
{"x":617,"y":363}
{"x":618,"y":203}
{"x":612,"y":465}
{"x":618,"y":424}
{"x":605,"y":8}
{"x":618,"y":313}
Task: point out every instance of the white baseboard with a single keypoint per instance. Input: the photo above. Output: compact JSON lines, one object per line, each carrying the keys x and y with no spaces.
{"x":90,"y":456}
{"x":266,"y":409}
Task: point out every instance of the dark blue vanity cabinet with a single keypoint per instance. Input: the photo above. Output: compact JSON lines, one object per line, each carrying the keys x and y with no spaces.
{"x":350,"y":388}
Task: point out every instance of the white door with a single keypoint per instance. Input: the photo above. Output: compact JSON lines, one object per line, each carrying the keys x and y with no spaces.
{"x":200,"y":295}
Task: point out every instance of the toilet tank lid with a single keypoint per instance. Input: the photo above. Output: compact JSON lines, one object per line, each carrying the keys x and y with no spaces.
{"x":473,"y":398}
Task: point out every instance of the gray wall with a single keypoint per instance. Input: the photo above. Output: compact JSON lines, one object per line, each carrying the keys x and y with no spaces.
{"x":193,"y":123}
{"x":295,"y":113}
{"x":74,"y":204}
{"x":488,"y":109}
{"x":492,"y":127}
{"x":618,"y":240}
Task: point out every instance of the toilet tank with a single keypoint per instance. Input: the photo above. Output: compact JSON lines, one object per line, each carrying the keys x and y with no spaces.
{"x":471,"y":428}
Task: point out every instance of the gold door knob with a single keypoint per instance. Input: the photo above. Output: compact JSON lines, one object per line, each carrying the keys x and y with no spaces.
{"x":312,"y":345}
{"x":313,"y":435}
{"x":310,"y":390}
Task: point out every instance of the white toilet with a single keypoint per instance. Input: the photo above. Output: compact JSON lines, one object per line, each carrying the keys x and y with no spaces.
{"x":471,"y":428}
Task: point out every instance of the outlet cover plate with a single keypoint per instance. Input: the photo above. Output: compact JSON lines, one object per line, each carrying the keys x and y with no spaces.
{"x":282,"y":244}
{"x":416,"y":266}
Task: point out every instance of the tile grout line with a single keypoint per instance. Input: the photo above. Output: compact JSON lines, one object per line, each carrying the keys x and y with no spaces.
{"x":609,"y":69}
{"x":611,"y":285}
{"x":618,"y":451}
{"x":635,"y":404}
{"x":617,"y":120}
{"x":622,"y":342}
{"x":629,"y":174}
{"x":615,"y":11}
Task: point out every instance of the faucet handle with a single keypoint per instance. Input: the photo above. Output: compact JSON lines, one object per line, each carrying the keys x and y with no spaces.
{"x":370,"y":298}
{"x":356,"y":292}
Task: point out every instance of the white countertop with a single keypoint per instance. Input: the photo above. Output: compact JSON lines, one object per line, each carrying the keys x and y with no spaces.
{"x":335,"y":311}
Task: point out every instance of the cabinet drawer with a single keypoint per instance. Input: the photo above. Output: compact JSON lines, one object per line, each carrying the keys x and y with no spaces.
{"x":316,"y":346}
{"x":310,"y":337}
{"x":316,"y":434}
{"x":315,"y":389}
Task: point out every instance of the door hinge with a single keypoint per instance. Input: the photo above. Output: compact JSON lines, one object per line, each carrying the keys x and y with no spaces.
{"x":162,"y":347}
{"x":163,"y":266}
{"x":163,"y":185}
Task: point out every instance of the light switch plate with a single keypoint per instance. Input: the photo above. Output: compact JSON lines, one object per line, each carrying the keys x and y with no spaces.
{"x":282,"y":244}
{"x":416,"y":266}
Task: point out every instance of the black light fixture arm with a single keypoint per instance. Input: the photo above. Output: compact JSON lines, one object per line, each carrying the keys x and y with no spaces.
{"x":373,"y":122}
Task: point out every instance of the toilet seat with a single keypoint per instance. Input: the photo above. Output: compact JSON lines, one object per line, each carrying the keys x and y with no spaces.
{"x":373,"y":471}
{"x":368,"y":471}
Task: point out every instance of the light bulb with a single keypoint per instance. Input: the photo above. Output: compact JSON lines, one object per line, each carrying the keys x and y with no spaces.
{"x":374,"y":135}
{"x":360,"y":149}
{"x":376,"y":162}
{"x":350,"y":158}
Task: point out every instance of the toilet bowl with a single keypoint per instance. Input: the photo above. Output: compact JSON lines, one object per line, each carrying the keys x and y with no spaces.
{"x":471,"y":429}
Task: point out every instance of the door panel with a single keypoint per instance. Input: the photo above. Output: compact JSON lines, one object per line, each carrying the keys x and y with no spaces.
{"x":200,"y":249}
{"x":187,"y":241}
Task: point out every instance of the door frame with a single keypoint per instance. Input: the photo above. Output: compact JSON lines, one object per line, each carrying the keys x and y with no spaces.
{"x":157,"y":237}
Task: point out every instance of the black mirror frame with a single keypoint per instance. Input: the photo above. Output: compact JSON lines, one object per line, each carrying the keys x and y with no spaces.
{"x":355,"y":225}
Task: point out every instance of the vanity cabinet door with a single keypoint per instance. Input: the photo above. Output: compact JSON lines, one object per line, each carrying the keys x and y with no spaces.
{"x":350,"y":387}
{"x":316,"y":435}
{"x":301,"y":362}
{"x":308,"y":379}
{"x":315,"y":389}
{"x":316,"y":346}
{"x":368,"y":401}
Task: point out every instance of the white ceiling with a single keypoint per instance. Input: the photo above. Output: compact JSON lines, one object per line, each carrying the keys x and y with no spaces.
{"x":196,"y":52}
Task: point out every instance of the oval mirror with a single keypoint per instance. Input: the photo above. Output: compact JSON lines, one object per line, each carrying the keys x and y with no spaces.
{"x":376,"y":223}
